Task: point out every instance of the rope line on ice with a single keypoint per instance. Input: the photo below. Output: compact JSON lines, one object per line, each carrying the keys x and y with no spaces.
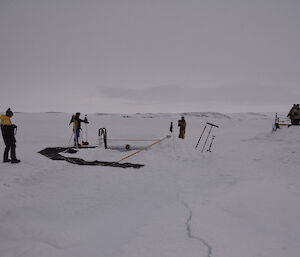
{"x":53,"y":153}
{"x":147,"y":147}
{"x":189,"y":230}
{"x":133,"y":140}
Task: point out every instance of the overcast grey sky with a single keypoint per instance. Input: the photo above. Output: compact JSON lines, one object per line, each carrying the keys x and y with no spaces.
{"x":149,"y":55}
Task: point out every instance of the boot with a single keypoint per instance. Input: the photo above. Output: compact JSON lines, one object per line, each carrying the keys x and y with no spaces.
{"x":13,"y":155}
{"x":15,"y":161}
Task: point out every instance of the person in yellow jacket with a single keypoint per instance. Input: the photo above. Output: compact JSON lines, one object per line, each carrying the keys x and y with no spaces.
{"x":8,"y":133}
{"x":77,"y":126}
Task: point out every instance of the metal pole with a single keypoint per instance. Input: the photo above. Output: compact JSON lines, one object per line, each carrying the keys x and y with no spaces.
{"x":212,"y":140}
{"x":200,"y":137}
{"x":213,"y":125}
{"x":105,"y":138}
{"x":102,"y":132}
{"x":69,"y":142}
{"x":206,"y":138}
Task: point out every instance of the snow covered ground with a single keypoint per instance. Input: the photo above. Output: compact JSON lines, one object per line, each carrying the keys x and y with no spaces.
{"x":240,"y":200}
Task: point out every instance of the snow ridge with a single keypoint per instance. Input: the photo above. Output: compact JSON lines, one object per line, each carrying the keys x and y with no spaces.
{"x":189,"y":230}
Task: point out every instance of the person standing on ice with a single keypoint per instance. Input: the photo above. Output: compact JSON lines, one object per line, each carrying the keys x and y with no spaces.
{"x":182,"y":125}
{"x":290,"y":114}
{"x":77,"y":126}
{"x":8,"y":133}
{"x":294,"y":114}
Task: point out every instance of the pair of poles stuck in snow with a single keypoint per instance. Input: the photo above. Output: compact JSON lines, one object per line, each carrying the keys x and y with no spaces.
{"x":209,"y":132}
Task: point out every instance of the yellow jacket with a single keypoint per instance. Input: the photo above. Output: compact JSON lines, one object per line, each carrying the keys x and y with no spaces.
{"x":5,"y":120}
{"x":76,"y":124}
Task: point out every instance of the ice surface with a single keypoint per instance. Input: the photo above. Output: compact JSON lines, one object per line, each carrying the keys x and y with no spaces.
{"x":242,"y":199}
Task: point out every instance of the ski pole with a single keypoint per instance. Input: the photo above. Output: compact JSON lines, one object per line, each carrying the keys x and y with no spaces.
{"x":200,"y":137}
{"x":81,"y":139}
{"x":212,"y":140}
{"x":70,"y":138}
{"x":206,"y":138}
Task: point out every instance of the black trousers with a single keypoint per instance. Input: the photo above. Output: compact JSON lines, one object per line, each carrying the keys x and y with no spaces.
{"x":12,"y":149}
{"x":10,"y":141}
{"x":181,"y":133}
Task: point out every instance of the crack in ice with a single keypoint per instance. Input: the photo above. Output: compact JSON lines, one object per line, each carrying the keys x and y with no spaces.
{"x":189,"y":230}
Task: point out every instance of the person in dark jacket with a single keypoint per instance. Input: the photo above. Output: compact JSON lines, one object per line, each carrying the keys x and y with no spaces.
{"x":294,"y":114}
{"x":8,"y":133}
{"x":77,"y":127}
{"x":182,"y":125}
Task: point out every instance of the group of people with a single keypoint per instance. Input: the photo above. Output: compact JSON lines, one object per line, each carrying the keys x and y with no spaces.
{"x":8,"y":130}
{"x":294,"y":114}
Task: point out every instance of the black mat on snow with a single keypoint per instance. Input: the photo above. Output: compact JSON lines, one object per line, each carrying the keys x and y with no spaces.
{"x":53,"y":153}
